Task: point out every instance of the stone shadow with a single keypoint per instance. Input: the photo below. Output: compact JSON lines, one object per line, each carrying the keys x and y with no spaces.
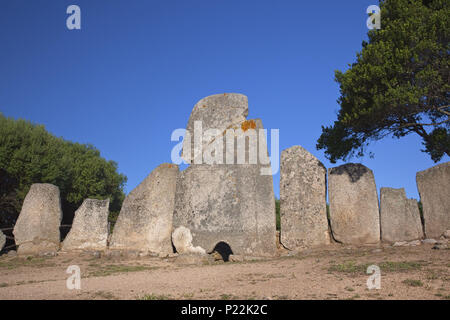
{"x":354,"y":170}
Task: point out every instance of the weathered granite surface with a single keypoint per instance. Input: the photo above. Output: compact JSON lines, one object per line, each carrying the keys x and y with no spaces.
{"x":229,"y":203}
{"x":303,"y":208}
{"x":223,"y":200}
{"x":354,"y":214}
{"x":145,"y":220}
{"x":400,"y":217}
{"x":90,"y":226}
{"x":434,"y":190}
{"x":221,"y":112}
{"x":37,"y":228}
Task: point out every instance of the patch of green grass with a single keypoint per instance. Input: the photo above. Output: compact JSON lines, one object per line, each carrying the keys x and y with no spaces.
{"x":155,"y":297}
{"x":347,"y":267}
{"x":401,"y":266}
{"x":277,"y":214}
{"x":432,"y":276}
{"x":413,"y":283}
{"x":275,"y":276}
{"x":188,"y":295}
{"x":226,"y":296}
{"x":38,"y":262}
{"x":66,"y":261}
{"x":104,"y":295}
{"x":111,"y":269}
{"x":349,"y":289}
{"x":3,"y":285}
{"x":387,"y":266}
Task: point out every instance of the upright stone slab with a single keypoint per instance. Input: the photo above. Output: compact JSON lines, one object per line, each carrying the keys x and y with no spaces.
{"x":302,"y":200}
{"x":227,"y":202}
{"x":37,"y":228}
{"x":434,"y":190}
{"x":354,"y":214}
{"x":2,"y":240}
{"x":221,"y":112}
{"x":90,"y":226}
{"x":232,"y":204}
{"x":400,"y":217}
{"x":145,"y":220}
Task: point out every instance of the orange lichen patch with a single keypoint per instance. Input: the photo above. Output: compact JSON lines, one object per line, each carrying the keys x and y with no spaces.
{"x":250,"y":124}
{"x":224,"y":94}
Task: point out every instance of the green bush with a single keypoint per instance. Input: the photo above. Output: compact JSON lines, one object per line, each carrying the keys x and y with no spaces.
{"x":277,"y":213}
{"x":29,"y":154}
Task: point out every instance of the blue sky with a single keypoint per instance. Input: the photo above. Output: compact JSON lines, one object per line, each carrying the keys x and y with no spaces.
{"x":136,"y":68}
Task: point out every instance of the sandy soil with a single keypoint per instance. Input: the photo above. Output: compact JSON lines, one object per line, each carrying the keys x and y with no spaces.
{"x":336,"y":272}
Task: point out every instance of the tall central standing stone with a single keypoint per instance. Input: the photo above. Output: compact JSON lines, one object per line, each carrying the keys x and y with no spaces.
{"x":221,"y":112}
{"x":232,"y":203}
{"x":145,"y":220}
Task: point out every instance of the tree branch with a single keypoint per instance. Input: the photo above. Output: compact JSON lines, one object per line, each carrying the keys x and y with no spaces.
{"x":422,"y":124}
{"x":440,"y":109}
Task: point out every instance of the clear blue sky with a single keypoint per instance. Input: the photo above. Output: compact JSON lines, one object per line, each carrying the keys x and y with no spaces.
{"x":134,"y":71}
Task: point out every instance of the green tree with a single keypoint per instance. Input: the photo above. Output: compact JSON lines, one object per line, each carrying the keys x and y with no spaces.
{"x":277,"y":214}
{"x":399,"y":83}
{"x":29,"y":154}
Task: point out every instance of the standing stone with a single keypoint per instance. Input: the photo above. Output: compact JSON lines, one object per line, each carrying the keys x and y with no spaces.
{"x":400,"y":217}
{"x":90,"y":226}
{"x":227,"y":202}
{"x":434,"y":190}
{"x":302,"y":200}
{"x":221,"y":112}
{"x":37,"y":228}
{"x":145,"y":221}
{"x":2,"y":240}
{"x":354,"y":214}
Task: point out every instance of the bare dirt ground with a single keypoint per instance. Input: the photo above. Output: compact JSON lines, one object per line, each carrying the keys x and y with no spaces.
{"x":334,"y":273}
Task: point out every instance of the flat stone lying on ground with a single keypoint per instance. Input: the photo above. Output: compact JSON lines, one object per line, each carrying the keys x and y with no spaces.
{"x":353,"y":198}
{"x":302,"y":200}
{"x":434,"y":189}
{"x":37,"y":228}
{"x":90,"y":226}
{"x":400,"y":217}
{"x":145,"y":220}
